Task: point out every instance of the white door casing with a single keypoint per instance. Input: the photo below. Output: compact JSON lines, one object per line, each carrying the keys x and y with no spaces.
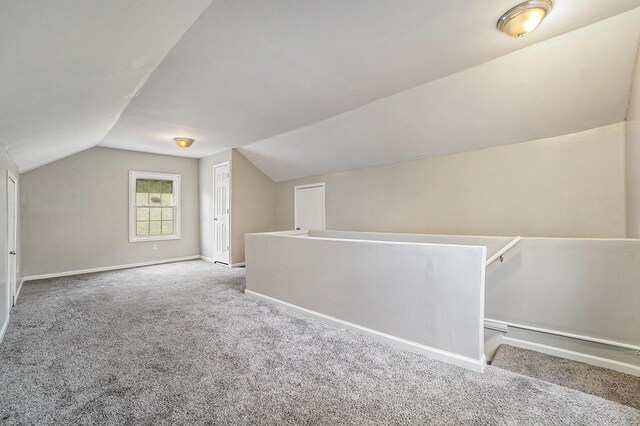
{"x":11,"y":236}
{"x":309,"y":206}
{"x":221,"y":212}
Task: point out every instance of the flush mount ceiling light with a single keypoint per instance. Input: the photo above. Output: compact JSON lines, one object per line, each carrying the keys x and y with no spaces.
{"x":183,"y":142}
{"x":525,"y":17}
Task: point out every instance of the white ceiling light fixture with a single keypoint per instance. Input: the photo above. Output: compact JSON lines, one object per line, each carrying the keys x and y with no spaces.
{"x":524,"y":18}
{"x":184,"y":142}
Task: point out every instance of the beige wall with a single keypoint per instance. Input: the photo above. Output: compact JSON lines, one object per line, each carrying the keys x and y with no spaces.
{"x":566,"y":186}
{"x":633,"y":158}
{"x":206,"y":200}
{"x":76,"y":211}
{"x":6,"y":164}
{"x":253,"y":203}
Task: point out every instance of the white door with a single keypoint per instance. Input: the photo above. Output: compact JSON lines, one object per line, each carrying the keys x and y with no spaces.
{"x":11,"y":236}
{"x":221,"y":213}
{"x":308,"y":203}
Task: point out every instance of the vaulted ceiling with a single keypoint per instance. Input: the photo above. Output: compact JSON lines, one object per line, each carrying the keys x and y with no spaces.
{"x":305,"y":87}
{"x":69,"y":68}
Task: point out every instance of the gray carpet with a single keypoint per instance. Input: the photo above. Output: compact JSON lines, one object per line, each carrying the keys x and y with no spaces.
{"x":602,"y":382}
{"x":182,"y":344}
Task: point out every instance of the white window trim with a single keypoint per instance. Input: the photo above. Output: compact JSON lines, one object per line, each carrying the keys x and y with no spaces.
{"x":133,"y":176}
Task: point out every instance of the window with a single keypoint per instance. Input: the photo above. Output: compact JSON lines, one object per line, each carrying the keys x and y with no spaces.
{"x":154,"y":206}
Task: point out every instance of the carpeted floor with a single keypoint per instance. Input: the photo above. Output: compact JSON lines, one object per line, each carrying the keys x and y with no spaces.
{"x":182,"y":344}
{"x":601,"y":382}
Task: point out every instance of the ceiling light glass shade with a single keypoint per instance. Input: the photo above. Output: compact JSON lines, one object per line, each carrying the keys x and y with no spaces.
{"x":183,"y":142}
{"x":525,"y":17}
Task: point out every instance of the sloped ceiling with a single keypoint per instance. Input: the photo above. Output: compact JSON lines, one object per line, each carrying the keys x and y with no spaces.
{"x":69,"y":68}
{"x":578,"y":81}
{"x":305,"y":87}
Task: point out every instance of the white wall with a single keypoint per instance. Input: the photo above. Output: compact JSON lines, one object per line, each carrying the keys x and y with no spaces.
{"x":493,"y":244}
{"x":566,"y":186}
{"x":587,"y":287}
{"x":76,"y":211}
{"x":429,"y":294}
{"x":6,"y":164}
{"x":572,"y":287}
{"x":633,"y":158}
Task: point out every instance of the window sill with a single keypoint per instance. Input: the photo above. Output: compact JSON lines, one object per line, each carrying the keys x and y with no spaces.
{"x":153,"y":238}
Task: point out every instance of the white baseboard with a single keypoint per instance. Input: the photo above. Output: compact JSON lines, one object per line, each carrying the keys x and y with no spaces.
{"x":108,"y":268}
{"x":496,"y":325}
{"x":503,"y":326}
{"x":438,"y":354}
{"x":207,"y":259}
{"x":575,"y":356}
{"x":3,"y":329}
{"x":238,"y":265}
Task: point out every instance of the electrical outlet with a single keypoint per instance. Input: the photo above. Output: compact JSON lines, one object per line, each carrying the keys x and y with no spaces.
{"x":155,"y":247}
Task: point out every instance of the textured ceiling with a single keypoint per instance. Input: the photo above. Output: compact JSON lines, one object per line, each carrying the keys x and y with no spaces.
{"x":304,"y":87}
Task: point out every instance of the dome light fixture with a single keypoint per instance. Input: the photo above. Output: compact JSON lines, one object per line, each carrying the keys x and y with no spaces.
{"x":525,"y":17}
{"x":184,"y":142}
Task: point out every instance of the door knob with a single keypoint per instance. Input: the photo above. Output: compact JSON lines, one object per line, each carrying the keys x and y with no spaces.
{"x":12,"y":252}
{"x":215,"y":219}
